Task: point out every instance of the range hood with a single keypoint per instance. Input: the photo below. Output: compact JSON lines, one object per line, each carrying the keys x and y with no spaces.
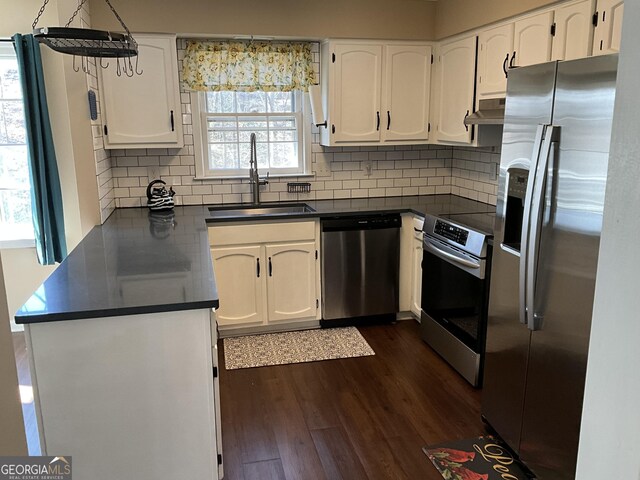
{"x":490,"y":112}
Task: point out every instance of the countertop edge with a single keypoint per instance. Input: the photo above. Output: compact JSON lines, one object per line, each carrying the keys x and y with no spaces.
{"x":115,"y":312}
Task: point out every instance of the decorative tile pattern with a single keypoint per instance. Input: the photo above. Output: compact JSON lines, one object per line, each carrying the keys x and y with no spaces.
{"x":294,"y":347}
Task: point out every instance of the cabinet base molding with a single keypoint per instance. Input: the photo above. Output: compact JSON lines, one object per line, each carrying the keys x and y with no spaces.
{"x":226,"y":332}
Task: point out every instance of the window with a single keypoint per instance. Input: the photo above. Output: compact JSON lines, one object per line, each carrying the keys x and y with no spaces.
{"x":15,"y":198}
{"x":225,"y":124}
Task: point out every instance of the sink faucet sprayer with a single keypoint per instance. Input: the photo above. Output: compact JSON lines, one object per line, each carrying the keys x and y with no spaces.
{"x":254,"y":177}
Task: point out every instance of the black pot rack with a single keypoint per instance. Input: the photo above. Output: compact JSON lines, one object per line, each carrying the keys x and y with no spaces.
{"x":86,"y":42}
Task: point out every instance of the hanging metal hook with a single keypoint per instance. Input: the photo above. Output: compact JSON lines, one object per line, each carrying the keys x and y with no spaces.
{"x":118,"y":69}
{"x":103,"y":66}
{"x":75,"y":69}
{"x":141,"y":71}
{"x":128,"y":67}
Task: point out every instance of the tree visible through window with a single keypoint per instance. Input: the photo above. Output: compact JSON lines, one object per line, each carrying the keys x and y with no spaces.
{"x":15,"y":200}
{"x":275,"y":118}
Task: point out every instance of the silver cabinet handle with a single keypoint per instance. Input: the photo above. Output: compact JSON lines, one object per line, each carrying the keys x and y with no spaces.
{"x":550,"y":139}
{"x":524,"y":239}
{"x":441,"y":253}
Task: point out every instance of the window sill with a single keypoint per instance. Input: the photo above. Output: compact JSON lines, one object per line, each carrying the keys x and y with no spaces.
{"x":21,"y":243}
{"x":246,"y":177}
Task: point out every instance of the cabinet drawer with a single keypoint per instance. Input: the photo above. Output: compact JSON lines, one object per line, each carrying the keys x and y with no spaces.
{"x":269,"y":232}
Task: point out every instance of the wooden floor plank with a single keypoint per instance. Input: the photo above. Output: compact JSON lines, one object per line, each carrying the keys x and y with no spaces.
{"x":339,"y":459}
{"x":297,"y":451}
{"x":314,"y":399}
{"x":414,"y":462}
{"x":265,"y":470}
{"x":242,"y":392}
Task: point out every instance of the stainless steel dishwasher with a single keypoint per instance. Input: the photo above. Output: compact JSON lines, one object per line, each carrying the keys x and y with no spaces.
{"x":360,"y":269}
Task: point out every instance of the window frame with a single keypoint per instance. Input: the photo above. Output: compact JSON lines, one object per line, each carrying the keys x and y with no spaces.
{"x":7,"y":51}
{"x":199,"y":116}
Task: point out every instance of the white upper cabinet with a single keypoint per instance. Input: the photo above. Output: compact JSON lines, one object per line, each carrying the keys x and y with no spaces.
{"x":407,"y":82}
{"x":456,"y":74}
{"x":573,"y":31}
{"x":357,"y":82}
{"x":375,"y":93}
{"x":143,"y":111}
{"x":608,"y":30}
{"x":532,"y":40}
{"x":495,"y":47}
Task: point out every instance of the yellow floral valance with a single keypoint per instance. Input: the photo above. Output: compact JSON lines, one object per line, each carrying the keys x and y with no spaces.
{"x":247,"y":67}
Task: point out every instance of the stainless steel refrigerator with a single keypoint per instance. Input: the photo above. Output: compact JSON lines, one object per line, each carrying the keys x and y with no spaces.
{"x":553,"y":171}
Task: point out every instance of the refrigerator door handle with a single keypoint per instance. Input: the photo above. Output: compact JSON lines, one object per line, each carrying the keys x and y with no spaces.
{"x":550,"y":143}
{"x":524,"y":239}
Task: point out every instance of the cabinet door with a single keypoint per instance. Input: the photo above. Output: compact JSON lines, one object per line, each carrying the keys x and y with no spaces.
{"x":607,"y":34}
{"x":456,"y":80}
{"x":144,"y":110}
{"x":532,"y":40}
{"x":357,"y":85}
{"x":495,"y":47}
{"x":291,"y":281}
{"x":240,"y":273}
{"x":407,"y":84}
{"x":574,"y":31}
{"x":416,"y":276}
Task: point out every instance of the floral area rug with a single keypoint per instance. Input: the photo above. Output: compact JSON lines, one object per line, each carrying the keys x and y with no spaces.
{"x":294,"y":347}
{"x":481,"y":458}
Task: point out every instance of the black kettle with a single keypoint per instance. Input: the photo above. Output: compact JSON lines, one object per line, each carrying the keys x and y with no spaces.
{"x":159,"y":198}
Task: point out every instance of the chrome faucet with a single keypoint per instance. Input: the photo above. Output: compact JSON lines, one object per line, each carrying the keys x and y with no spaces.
{"x":254,"y":177}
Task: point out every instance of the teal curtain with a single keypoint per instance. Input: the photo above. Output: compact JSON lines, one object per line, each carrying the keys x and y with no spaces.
{"x":46,"y":195}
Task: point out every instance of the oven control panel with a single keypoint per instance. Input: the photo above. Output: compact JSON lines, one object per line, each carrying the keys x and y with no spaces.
{"x":451,"y":232}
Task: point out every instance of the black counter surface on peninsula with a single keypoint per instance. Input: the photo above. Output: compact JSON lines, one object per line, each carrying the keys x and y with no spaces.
{"x":137,"y":262}
{"x":142,"y":262}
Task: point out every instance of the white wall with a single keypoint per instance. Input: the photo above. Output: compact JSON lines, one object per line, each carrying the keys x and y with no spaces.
{"x":610,"y":436}
{"x":22,"y":275}
{"x":12,"y":437}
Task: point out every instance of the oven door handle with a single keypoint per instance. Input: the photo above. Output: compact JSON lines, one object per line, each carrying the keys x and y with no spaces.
{"x":449,"y":256}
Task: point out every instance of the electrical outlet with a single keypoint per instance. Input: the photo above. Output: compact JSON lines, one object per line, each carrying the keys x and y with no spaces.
{"x":367,"y":167}
{"x":153,"y":172}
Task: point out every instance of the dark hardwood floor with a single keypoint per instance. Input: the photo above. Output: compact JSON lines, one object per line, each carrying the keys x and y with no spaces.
{"x":351,"y":419}
{"x":356,"y":418}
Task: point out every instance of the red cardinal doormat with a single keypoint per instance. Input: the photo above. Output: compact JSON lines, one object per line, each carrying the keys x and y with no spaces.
{"x":481,"y":458}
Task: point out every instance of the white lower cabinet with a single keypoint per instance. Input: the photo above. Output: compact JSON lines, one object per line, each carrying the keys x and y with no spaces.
{"x":416,"y":275}
{"x":240,"y":286}
{"x":291,"y":285}
{"x":273,"y":281}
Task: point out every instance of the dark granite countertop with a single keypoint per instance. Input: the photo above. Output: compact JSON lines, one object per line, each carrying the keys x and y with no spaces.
{"x":137,"y":262}
{"x":433,"y":204}
{"x":141,"y":262}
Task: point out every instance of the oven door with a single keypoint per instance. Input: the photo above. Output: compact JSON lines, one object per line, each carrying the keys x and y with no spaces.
{"x":454,"y":291}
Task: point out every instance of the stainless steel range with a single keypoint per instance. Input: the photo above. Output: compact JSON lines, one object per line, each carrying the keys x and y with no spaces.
{"x":455,"y":287}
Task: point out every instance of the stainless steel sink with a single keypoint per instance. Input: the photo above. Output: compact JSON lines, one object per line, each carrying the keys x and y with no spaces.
{"x":237,"y":211}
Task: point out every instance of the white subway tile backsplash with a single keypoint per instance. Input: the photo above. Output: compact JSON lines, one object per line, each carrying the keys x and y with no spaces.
{"x":342,"y":171}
